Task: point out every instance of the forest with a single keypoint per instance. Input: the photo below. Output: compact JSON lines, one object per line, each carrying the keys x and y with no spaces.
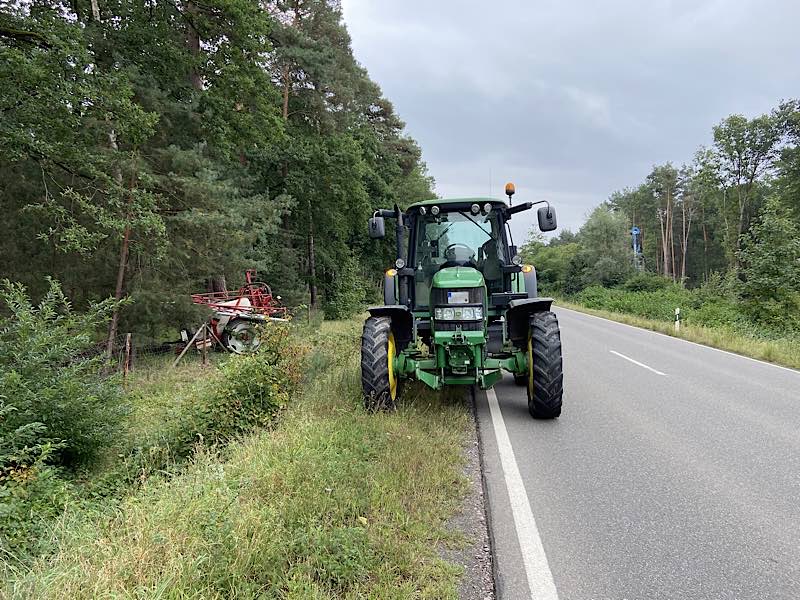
{"x":720,"y":235}
{"x":153,"y":149}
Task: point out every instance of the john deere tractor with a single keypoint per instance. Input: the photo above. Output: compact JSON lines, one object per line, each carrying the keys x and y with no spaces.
{"x":460,"y":307}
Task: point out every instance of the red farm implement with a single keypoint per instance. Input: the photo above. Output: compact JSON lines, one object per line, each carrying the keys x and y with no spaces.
{"x":237,"y":314}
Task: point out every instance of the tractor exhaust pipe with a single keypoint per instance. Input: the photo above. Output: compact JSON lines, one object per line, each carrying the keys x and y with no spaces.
{"x":398,"y":228}
{"x":403,"y":280}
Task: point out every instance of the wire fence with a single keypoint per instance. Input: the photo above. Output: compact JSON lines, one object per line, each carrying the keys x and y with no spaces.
{"x":131,"y":351}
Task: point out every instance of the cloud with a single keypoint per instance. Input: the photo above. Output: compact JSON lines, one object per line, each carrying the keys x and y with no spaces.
{"x":571,"y":100}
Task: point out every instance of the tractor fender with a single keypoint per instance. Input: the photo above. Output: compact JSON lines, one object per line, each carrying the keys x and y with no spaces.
{"x":389,"y":289}
{"x":519,"y":314}
{"x":402,"y":321}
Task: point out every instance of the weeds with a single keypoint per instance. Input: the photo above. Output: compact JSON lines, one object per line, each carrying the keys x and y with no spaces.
{"x":332,"y":502}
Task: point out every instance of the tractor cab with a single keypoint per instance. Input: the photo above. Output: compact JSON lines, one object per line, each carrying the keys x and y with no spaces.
{"x":459,"y":305}
{"x":466,"y":234}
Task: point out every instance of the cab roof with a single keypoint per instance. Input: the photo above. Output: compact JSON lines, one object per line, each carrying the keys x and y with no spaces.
{"x":442,"y":201}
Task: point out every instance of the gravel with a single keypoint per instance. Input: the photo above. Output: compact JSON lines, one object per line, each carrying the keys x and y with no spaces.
{"x":475,"y":557}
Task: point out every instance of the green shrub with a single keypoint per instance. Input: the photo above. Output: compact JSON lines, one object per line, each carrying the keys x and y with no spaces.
{"x":654,"y":297}
{"x":253,"y":387}
{"x":55,"y":410}
{"x":646,"y":282}
{"x":30,"y":498}
{"x":770,"y":257}
{"x":51,"y":393}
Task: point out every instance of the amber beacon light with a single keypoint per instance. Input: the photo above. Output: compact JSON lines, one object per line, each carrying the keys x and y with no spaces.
{"x":510,"y":191}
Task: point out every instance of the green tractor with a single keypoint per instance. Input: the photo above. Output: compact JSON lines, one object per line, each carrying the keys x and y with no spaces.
{"x":461,"y":308}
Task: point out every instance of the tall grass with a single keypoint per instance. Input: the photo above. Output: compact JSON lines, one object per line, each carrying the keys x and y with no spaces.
{"x":333,"y":502}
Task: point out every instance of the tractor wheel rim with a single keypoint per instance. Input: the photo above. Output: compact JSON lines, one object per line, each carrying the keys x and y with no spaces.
{"x":243,"y":339}
{"x":390,"y":354}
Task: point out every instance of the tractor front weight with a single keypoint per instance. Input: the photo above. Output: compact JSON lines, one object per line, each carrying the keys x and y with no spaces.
{"x":458,"y":362}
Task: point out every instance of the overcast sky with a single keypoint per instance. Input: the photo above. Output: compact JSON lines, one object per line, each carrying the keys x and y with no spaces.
{"x":571,"y":100}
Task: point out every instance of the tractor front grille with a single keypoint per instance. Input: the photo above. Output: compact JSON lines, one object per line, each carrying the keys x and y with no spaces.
{"x":439,"y":300}
{"x":463,"y":325}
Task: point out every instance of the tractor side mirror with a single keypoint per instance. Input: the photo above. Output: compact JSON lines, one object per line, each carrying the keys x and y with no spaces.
{"x":547,"y":218}
{"x":377,"y":228}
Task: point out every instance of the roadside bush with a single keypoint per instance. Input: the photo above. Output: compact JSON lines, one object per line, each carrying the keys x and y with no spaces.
{"x":770,"y":258}
{"x":644,"y":296}
{"x":253,"y":388}
{"x":646,"y":282}
{"x":30,"y":498}
{"x":54,"y":402}
{"x":56,"y":411}
{"x":178,"y":408}
{"x":659,"y":305}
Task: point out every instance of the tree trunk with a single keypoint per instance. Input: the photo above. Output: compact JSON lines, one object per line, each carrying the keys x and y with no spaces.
{"x":123,"y":264}
{"x":312,"y":261}
{"x":193,"y":44}
{"x":216,"y":284}
{"x":664,"y":254}
{"x":670,"y":233}
{"x":705,"y":243}
{"x":286,"y":86}
{"x":684,"y":242}
{"x":123,"y":252}
{"x":95,"y":11}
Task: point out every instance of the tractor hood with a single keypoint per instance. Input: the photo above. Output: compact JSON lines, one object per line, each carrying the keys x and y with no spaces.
{"x":458,"y":277}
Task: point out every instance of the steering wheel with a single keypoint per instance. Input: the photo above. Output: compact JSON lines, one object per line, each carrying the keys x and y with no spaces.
{"x":451,"y":262}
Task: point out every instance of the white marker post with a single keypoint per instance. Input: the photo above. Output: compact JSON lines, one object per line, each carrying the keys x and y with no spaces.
{"x":677,"y":319}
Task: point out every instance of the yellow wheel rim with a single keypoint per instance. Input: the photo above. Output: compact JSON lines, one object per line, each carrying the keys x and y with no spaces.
{"x":530,"y":364}
{"x":391,"y":351}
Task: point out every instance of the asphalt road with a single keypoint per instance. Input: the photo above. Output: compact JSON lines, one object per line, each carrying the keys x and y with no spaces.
{"x":677,"y":477}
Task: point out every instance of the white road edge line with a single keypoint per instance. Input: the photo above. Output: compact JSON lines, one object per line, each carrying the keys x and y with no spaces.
{"x":537,"y":570}
{"x":680,"y":339}
{"x":636,"y":362}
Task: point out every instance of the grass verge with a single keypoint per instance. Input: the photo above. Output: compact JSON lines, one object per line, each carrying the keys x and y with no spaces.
{"x":785,"y":352}
{"x":331,"y":502}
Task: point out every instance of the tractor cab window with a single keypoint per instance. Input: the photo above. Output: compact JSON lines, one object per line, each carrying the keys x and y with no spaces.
{"x":457,"y":239}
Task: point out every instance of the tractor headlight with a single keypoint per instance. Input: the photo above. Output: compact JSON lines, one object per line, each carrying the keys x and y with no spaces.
{"x":423,"y":211}
{"x":516,"y":259}
{"x":467,"y":313}
{"x":475,"y":209}
{"x":487,"y":208}
{"x":434,"y":210}
{"x":399,"y":263}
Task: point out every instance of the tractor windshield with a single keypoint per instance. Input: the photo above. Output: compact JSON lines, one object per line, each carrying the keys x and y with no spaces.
{"x":457,"y":239}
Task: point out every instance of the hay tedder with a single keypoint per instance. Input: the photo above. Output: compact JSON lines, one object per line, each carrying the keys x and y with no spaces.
{"x":460,"y":307}
{"x":237,"y":314}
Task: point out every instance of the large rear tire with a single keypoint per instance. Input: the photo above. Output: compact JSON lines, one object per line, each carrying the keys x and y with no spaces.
{"x":545,"y":376}
{"x":378,"y":380}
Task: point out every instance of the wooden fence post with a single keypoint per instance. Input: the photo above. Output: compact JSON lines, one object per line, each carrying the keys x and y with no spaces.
{"x":126,"y":359}
{"x":206,"y":343}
